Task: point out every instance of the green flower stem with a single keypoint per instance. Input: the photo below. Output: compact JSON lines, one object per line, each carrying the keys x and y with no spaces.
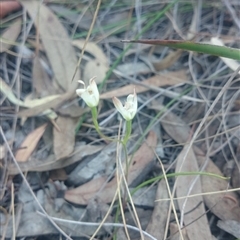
{"x":128,"y":132}
{"x":95,"y":122}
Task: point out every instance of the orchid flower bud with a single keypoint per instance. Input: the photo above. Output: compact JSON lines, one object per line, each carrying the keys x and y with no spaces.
{"x":129,"y":109}
{"x":90,"y":95}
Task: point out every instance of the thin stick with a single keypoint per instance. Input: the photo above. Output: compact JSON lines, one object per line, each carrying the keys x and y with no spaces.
{"x":87,"y":38}
{"x":96,"y":224}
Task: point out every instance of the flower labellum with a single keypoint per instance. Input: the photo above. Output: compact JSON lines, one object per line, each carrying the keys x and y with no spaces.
{"x":90,"y":95}
{"x":129,"y":110}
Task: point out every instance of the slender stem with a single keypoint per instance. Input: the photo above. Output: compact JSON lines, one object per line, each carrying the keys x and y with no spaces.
{"x":128,"y":132}
{"x":95,"y":122}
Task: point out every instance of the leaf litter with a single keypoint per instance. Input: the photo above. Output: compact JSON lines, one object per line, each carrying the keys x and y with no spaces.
{"x":85,"y":167}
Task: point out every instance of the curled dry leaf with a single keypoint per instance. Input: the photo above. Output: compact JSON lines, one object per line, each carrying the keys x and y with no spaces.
{"x":28,"y":103}
{"x":141,"y":159}
{"x":10,"y":35}
{"x":29,"y":144}
{"x":171,"y":78}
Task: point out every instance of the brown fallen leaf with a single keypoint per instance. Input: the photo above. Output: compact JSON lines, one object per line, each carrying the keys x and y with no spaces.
{"x":168,"y":61}
{"x":44,"y":106}
{"x":58,"y":174}
{"x":170,"y":78}
{"x":230,"y":226}
{"x":51,"y":163}
{"x":82,"y":194}
{"x":64,"y":140}
{"x":57,"y":44}
{"x":95,"y":67}
{"x":28,"y":103}
{"x":156,"y":226}
{"x":41,"y":80}
{"x":222,"y":206}
{"x":174,"y":232}
{"x":9,"y":36}
{"x":72,"y":111}
{"x":29,"y":144}
{"x":93,"y":49}
{"x":192,"y":209}
{"x":8,"y":7}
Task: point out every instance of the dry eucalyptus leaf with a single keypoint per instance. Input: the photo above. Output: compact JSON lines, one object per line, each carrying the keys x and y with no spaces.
{"x":230,"y":226}
{"x":51,"y":163}
{"x":157,"y":223}
{"x":28,"y":103}
{"x":97,"y":66}
{"x":141,"y":159}
{"x":219,"y":204}
{"x":224,"y":205}
{"x":192,"y":209}
{"x":174,"y":232}
{"x":42,"y":107}
{"x":9,"y":36}
{"x":168,"y":61}
{"x":170,"y":78}
{"x":29,"y":144}
{"x":57,"y":44}
{"x":92,"y":168}
{"x":144,"y":197}
{"x":41,"y":80}
{"x":64,"y":140}
{"x":72,"y":111}
{"x":93,"y":49}
{"x":128,"y":69}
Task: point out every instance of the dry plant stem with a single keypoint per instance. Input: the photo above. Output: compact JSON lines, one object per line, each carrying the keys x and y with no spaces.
{"x":96,"y":224}
{"x":131,"y":201}
{"x":124,"y":142}
{"x":171,"y":198}
{"x":119,"y":180}
{"x":30,"y":189}
{"x":13,"y":212}
{"x":200,"y":194}
{"x":105,"y":217}
{"x":195,"y":135}
{"x":87,"y":38}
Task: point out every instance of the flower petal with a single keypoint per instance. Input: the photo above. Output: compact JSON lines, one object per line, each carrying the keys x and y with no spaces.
{"x":94,"y":88}
{"x":80,"y":92}
{"x":90,"y":95}
{"x":82,"y":82}
{"x":118,"y":105}
{"x":135,"y":102}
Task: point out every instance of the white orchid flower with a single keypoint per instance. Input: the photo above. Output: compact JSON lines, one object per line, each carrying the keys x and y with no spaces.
{"x":90,"y":95}
{"x":129,"y":110}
